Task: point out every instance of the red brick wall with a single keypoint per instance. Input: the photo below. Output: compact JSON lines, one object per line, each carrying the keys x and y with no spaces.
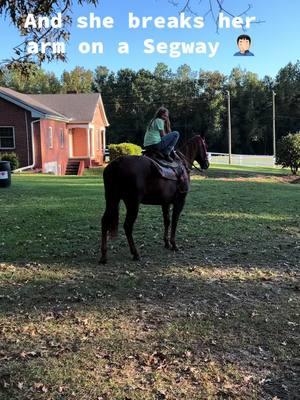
{"x":12,"y":115}
{"x":56,"y":154}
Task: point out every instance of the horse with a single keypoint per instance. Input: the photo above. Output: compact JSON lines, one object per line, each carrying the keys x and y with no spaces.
{"x":135,"y":180}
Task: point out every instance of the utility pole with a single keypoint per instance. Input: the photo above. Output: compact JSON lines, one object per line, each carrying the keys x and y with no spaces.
{"x":274,"y":127}
{"x":229,"y":125}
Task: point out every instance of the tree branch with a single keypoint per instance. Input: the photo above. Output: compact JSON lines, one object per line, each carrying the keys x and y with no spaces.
{"x":214,"y":8}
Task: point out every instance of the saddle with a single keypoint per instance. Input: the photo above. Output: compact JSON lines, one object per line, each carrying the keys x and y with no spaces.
{"x":174,"y":171}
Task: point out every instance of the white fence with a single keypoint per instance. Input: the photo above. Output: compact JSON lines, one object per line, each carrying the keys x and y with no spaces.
{"x":242,"y":159}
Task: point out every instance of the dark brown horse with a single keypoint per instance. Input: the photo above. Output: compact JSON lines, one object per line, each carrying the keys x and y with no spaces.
{"x":135,"y":180}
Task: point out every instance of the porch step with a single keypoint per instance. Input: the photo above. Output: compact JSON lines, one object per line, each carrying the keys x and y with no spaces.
{"x":72,"y":167}
{"x":95,"y":163}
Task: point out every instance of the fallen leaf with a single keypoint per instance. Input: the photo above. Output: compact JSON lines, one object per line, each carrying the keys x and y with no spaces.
{"x":248,"y":378}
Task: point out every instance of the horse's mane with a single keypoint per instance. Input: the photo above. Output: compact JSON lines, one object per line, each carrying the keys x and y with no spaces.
{"x":187,"y":150}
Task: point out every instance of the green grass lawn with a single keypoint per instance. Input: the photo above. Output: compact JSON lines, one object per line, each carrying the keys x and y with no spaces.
{"x":248,"y":171}
{"x":217,"y":320}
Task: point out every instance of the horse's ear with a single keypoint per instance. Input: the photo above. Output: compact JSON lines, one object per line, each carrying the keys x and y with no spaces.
{"x":200,"y":136}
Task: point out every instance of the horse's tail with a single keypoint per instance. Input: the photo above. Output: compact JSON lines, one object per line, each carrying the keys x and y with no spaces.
{"x":110,"y":219}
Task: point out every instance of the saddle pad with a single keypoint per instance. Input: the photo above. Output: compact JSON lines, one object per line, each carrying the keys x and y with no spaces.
{"x":166,"y":170}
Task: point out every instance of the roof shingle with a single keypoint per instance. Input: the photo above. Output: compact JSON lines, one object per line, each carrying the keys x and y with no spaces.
{"x":79,"y":107}
{"x":29,"y":100}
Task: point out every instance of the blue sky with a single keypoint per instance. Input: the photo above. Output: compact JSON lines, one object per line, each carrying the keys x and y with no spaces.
{"x":274,"y":42}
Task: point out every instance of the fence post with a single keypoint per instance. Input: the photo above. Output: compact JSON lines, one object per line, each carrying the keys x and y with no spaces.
{"x":229,"y":126}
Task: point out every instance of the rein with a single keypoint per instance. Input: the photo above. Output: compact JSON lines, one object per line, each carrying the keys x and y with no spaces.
{"x":187,"y":160}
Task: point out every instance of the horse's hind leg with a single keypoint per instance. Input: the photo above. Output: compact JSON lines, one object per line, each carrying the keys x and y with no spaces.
{"x":131,"y":215}
{"x":167,"y":221}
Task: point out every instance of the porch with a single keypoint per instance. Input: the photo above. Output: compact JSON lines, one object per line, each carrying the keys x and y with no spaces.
{"x":86,"y":143}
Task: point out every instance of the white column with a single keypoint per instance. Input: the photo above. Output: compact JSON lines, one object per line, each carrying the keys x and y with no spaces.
{"x":103,"y":138}
{"x":70,"y":136}
{"x":92,"y":142}
{"x":88,"y":141}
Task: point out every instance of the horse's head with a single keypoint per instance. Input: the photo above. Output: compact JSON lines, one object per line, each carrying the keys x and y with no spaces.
{"x":201,"y":155}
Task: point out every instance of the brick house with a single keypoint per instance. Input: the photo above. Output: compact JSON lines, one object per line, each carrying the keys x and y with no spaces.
{"x":56,"y":133}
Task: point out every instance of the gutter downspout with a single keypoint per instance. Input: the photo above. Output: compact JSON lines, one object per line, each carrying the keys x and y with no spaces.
{"x":33,"y":150}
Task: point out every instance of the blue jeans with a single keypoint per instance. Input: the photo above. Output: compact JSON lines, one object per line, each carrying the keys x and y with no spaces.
{"x":168,"y":142}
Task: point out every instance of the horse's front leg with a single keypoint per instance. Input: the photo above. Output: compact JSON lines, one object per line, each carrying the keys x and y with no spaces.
{"x":131,"y":215}
{"x":177,"y":208}
{"x":104,"y":229}
{"x":167,"y":221}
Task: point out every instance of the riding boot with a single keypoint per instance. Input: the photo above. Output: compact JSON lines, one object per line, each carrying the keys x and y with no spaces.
{"x":158,"y":154}
{"x":168,"y":158}
{"x":174,"y":155}
{"x":154,"y":154}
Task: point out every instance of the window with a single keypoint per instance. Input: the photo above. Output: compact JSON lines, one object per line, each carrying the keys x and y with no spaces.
{"x":50,"y":137}
{"x":62,"y":138}
{"x":7,"y":137}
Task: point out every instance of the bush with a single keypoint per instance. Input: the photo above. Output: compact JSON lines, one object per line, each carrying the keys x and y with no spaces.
{"x":288,"y":152}
{"x":123,"y":149}
{"x":12,"y":158}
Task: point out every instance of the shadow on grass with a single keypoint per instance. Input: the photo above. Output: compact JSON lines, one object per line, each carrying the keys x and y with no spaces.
{"x":238,"y":316}
{"x":219,"y":318}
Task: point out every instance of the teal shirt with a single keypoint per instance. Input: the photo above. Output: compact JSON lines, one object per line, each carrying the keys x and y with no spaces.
{"x":152,"y":136}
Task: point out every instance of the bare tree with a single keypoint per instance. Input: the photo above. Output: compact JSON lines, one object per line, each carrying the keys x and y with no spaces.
{"x":17,"y":11}
{"x":211,"y":8}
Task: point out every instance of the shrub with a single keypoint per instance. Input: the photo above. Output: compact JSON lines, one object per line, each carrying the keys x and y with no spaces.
{"x":288,"y":152}
{"x":123,"y":149}
{"x":12,"y":158}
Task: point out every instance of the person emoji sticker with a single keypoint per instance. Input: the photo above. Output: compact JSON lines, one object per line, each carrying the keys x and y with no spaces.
{"x":244,"y":43}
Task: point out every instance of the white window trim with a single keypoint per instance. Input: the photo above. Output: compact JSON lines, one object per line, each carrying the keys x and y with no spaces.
{"x":62,"y":138}
{"x":14,"y":138}
{"x":50,"y":137}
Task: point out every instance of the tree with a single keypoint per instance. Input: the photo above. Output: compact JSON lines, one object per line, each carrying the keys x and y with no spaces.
{"x":17,"y":11}
{"x":38,"y":81}
{"x":211,"y":109}
{"x":251,"y":112}
{"x":162,"y":71}
{"x":79,"y":80}
{"x":288,"y":152}
{"x":287,"y":88}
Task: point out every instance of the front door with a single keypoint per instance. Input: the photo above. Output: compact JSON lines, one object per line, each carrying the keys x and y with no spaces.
{"x":80,"y":143}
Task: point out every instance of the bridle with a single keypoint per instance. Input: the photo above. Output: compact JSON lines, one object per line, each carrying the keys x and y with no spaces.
{"x":189,"y":162}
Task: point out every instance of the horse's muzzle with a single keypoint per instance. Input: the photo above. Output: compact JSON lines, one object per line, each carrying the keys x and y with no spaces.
{"x":205,"y":164}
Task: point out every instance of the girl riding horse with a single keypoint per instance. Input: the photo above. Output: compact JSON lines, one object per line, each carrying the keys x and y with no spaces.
{"x":158,"y":137}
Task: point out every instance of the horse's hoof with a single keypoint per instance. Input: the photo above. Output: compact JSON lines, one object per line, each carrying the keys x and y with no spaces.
{"x":136,"y":257}
{"x":174,"y":248}
{"x":103,"y":260}
{"x":167,"y":246}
